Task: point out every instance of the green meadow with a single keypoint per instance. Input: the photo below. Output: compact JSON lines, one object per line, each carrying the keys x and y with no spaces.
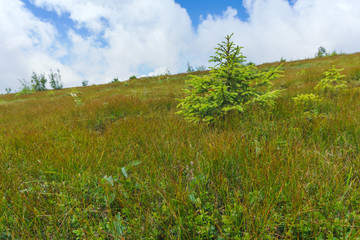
{"x":114,"y":161}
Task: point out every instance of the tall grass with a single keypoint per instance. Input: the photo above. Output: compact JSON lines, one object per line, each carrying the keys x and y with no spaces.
{"x":122,"y":165}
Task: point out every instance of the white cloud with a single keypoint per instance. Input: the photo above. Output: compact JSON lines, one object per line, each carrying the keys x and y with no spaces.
{"x":276,"y":29}
{"x":137,"y":34}
{"x":26,"y":44}
{"x":128,"y":37}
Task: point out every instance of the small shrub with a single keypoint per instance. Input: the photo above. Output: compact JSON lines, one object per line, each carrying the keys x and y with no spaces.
{"x":332,"y":82}
{"x":38,"y":82}
{"x":307,"y":102}
{"x":231,"y":86}
{"x":51,"y":93}
{"x":55,"y":80}
{"x":132,"y":77}
{"x":356,"y":76}
{"x":189,"y":68}
{"x":8,"y":90}
{"x":321,"y":52}
{"x":201,"y":68}
{"x":26,"y":88}
{"x":334,"y":53}
{"x":115,"y":80}
{"x":85,"y":83}
{"x":250,"y":64}
{"x":25,"y":91}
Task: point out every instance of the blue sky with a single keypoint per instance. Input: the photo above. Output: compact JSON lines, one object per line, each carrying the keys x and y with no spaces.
{"x":197,"y":8}
{"x":99,"y":40}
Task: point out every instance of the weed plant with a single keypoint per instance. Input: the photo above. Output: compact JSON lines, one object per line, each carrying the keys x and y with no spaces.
{"x":123,"y":165}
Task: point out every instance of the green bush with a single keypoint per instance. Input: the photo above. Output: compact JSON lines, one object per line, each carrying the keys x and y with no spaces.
{"x":38,"y":82}
{"x":332,"y":82}
{"x":51,"y":93}
{"x":321,"y":52}
{"x":85,"y":83}
{"x":230,"y":86}
{"x":201,"y":68}
{"x":55,"y":80}
{"x":307,"y":102}
{"x":189,"y":68}
{"x":26,"y":88}
{"x":356,"y":76}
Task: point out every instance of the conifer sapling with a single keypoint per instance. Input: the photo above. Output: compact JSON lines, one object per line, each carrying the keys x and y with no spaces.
{"x":230,"y":86}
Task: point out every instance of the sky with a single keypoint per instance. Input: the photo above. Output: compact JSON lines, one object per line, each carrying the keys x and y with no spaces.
{"x":101,"y":40}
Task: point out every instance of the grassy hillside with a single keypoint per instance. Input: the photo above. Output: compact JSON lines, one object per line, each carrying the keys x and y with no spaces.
{"x":120,"y":164}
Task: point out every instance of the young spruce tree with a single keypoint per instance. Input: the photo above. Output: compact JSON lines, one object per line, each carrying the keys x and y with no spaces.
{"x":230,"y":86}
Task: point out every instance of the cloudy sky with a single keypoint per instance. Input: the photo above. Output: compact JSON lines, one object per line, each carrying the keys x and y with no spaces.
{"x":98,"y":40}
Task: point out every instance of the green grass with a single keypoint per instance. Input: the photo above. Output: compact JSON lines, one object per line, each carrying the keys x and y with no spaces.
{"x":123,"y":165}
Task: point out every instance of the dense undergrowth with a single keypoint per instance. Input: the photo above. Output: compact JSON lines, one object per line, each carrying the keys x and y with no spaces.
{"x":120,"y":164}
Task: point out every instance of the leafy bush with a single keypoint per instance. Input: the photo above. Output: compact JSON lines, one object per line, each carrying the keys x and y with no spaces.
{"x":201,"y":68}
{"x":51,"y":93}
{"x":132,"y":77}
{"x":38,"y":82}
{"x":231,"y":86}
{"x":115,"y":80}
{"x":189,"y":68}
{"x":55,"y":80}
{"x":356,"y":77}
{"x":198,"y":69}
{"x":85,"y":83}
{"x":321,"y":52}
{"x":8,"y":90}
{"x":332,"y":81}
{"x":307,"y":102}
{"x":334,"y":53}
{"x":26,"y":88}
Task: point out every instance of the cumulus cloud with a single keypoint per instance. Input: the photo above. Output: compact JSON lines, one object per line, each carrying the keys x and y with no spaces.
{"x":127,"y":37}
{"x":124,"y":38}
{"x":27,"y":44}
{"x":137,"y":34}
{"x":278,"y":29}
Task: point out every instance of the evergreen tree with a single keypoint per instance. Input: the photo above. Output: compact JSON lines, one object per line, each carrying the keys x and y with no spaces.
{"x":332,"y":81}
{"x":230,"y":86}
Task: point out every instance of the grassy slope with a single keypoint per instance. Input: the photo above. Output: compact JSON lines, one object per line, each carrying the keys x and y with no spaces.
{"x":123,"y":165}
